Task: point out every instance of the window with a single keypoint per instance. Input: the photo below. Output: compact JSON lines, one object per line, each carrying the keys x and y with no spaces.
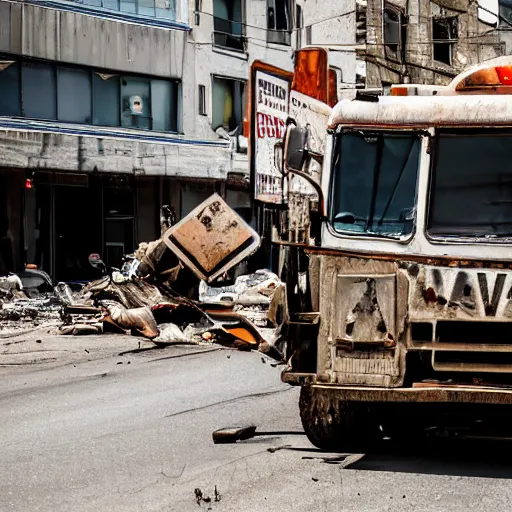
{"x":9,"y":88}
{"x":128,"y":6}
{"x":197,"y":11}
{"x":227,"y":103}
{"x":147,"y":7}
{"x":299,"y":25}
{"x":39,"y":98}
{"x":166,"y":9}
{"x":153,"y":8}
{"x":444,"y":35}
{"x":471,"y":187}
{"x":309,"y":36}
{"x":202,"y":100}
{"x":136,"y":103}
{"x":106,"y":102}
{"x":395,"y":34}
{"x":164,"y":95}
{"x":279,"y":21}
{"x":505,"y":15}
{"x":74,"y":96}
{"x":227,"y":24}
{"x":374,"y":185}
{"x":81,"y":95}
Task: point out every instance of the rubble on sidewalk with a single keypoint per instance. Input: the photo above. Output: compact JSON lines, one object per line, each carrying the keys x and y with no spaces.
{"x":171,"y":290}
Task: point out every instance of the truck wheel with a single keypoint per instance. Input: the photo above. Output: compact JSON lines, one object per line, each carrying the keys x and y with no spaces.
{"x":332,"y":424}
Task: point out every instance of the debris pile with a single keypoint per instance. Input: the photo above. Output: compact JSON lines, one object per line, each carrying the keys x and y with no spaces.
{"x":23,"y":305}
{"x":165,"y":292}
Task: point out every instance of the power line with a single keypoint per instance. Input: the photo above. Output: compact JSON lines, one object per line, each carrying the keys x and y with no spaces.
{"x":358,"y":45}
{"x":266,"y":29}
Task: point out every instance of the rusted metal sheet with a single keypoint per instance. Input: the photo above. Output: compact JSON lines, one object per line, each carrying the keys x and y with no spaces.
{"x":358,"y":310}
{"x":374,"y":311}
{"x":211,"y":239}
{"x":405,"y":260}
{"x":314,"y":281}
{"x":366,"y":309}
{"x":451,"y":293}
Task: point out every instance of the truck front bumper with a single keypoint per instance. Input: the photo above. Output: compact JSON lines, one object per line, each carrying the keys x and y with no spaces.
{"x":423,"y":394}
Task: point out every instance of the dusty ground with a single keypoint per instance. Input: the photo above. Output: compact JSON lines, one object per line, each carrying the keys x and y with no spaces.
{"x":40,"y":346}
{"x":89,"y":429}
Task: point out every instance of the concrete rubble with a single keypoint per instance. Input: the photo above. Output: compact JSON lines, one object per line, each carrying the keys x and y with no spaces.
{"x":176,"y":289}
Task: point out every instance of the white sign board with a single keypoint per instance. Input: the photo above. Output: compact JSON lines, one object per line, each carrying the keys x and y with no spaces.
{"x":271,"y":99}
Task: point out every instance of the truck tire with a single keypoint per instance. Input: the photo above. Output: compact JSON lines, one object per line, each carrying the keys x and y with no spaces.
{"x":334,"y":425}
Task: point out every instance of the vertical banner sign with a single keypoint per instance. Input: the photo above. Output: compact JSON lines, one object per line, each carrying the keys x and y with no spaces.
{"x":271,"y":99}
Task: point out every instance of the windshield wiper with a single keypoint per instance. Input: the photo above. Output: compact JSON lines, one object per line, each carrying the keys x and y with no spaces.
{"x":376,"y":172}
{"x":397,"y":184}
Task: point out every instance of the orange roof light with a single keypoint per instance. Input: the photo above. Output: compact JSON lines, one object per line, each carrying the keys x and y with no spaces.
{"x":399,"y":91}
{"x":487,"y":78}
{"x":311,"y":74}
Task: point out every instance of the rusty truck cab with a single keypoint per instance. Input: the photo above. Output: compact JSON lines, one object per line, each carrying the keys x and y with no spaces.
{"x":410,"y":281}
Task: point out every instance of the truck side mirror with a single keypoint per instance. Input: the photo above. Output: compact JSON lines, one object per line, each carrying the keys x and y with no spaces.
{"x":296,"y":147}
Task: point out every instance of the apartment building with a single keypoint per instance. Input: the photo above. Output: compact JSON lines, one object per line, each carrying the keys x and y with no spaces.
{"x":429,"y":41}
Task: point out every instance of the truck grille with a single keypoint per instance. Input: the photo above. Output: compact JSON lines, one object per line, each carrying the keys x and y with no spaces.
{"x":465,"y":346}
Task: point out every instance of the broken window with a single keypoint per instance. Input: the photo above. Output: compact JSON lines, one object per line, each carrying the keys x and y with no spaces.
{"x":227,"y":24}
{"x":80,"y":95}
{"x":228,"y":105}
{"x":374,"y":188}
{"x":279,"y":22}
{"x":444,"y":36}
{"x":394,"y":33}
{"x":505,"y":14}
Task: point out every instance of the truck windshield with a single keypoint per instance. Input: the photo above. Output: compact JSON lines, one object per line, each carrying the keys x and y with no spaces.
{"x":471,"y":190}
{"x":374,"y":182}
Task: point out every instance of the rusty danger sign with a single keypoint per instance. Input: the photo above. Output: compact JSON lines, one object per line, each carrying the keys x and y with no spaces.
{"x":271,"y":96}
{"x":211,"y":239}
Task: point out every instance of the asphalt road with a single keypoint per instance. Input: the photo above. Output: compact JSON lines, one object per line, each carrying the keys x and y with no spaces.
{"x":101,"y":436}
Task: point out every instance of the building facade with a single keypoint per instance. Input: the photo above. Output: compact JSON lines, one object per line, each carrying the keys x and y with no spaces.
{"x":429,"y":41}
{"x":111,"y":108}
